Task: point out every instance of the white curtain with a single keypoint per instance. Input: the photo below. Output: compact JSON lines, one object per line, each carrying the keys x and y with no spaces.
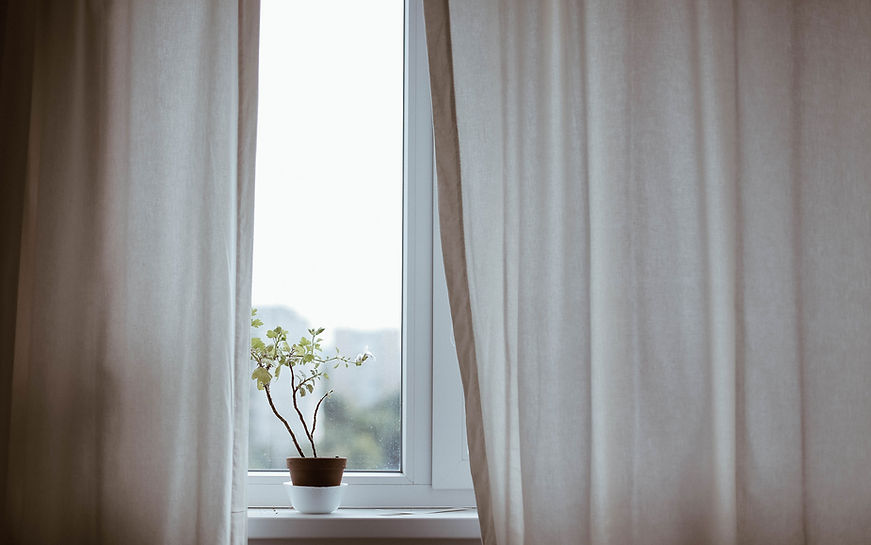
{"x":128,"y":140}
{"x":656,"y":219}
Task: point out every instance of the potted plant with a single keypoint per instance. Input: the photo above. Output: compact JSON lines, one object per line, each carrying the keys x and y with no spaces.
{"x":307,"y":365}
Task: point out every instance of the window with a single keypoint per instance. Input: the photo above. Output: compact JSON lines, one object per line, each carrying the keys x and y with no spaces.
{"x":328,"y":220}
{"x":345,"y":135}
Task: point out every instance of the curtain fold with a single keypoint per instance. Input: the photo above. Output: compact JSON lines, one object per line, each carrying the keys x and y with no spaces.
{"x":662,"y":235}
{"x":128,"y":161}
{"x":450,"y":205}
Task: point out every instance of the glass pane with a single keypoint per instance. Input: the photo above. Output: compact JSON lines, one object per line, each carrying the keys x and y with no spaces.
{"x":328,"y":221}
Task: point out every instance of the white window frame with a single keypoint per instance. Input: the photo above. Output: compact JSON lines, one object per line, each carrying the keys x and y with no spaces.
{"x":435,"y":468}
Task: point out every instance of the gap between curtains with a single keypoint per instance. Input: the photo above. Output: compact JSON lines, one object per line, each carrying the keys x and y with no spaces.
{"x":656,"y":219}
{"x":128,"y":155}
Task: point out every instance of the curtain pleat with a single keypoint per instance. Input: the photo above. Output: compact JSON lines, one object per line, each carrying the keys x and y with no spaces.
{"x":16,"y":57}
{"x":132,"y":173}
{"x":663,"y":224}
{"x":450,"y":203}
{"x":249,"y":48}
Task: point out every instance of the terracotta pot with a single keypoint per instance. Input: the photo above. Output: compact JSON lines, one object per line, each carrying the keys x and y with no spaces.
{"x":316,"y":471}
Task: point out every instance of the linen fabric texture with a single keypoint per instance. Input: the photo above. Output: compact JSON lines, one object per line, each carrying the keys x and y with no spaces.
{"x":656,"y":221}
{"x":127,"y":139}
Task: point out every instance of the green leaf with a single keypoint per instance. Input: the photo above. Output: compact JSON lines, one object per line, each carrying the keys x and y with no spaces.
{"x":301,"y":392}
{"x":262,"y":376}
{"x":270,"y":334}
{"x":257,"y":322}
{"x":310,"y":387}
{"x":319,"y":331}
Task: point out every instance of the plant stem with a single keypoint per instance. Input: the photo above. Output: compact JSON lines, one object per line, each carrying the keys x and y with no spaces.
{"x":311,"y":439}
{"x":301,"y":384}
{"x":317,"y":407}
{"x":286,"y":425}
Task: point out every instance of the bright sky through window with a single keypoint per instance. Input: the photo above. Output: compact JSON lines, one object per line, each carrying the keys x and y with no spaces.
{"x":328,"y":221}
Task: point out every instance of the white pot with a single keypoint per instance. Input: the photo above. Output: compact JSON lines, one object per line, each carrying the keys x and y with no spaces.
{"x":315,"y":500}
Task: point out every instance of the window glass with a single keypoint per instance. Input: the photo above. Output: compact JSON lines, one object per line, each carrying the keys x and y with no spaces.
{"x":328,"y":220}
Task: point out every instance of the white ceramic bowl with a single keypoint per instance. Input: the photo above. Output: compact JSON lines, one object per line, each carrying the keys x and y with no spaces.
{"x":315,"y":500}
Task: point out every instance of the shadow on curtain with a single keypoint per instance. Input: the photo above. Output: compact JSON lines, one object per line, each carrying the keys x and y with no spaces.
{"x":128,"y":146}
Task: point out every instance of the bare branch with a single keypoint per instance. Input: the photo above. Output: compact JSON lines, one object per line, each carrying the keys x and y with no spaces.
{"x":293,"y":388}
{"x":317,"y":408}
{"x":286,"y":425}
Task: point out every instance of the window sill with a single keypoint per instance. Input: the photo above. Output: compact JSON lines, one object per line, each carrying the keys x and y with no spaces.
{"x":447,"y":523}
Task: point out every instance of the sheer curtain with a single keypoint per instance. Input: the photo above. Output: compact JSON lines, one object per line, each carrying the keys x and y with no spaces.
{"x":127,"y":141}
{"x":656,"y":219}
